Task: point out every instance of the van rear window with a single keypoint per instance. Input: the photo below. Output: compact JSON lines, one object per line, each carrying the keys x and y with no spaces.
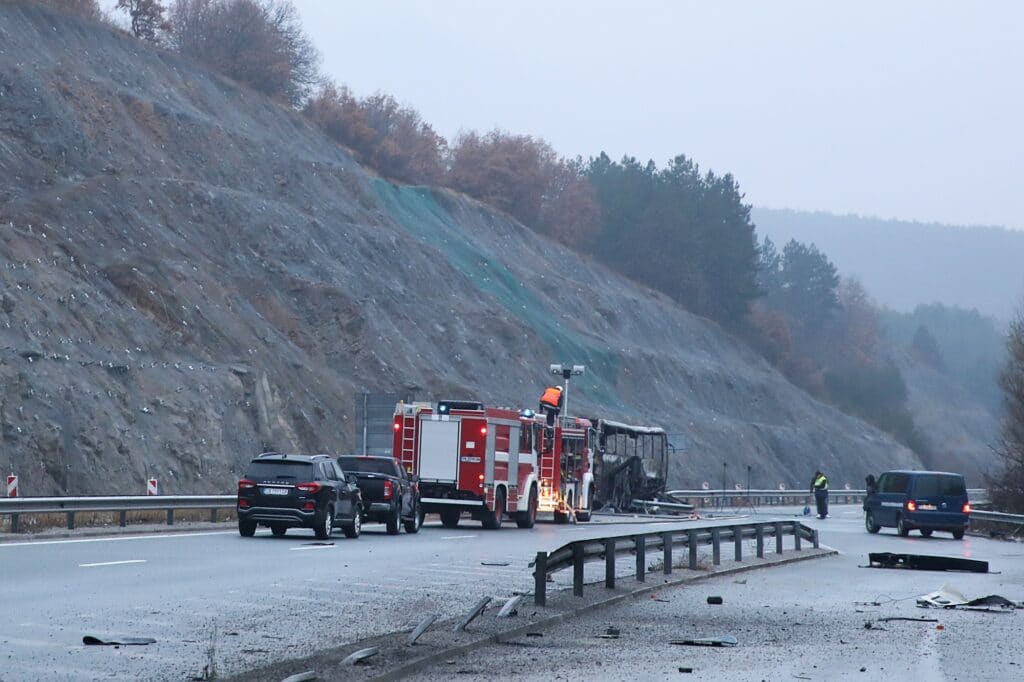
{"x":937,"y":485}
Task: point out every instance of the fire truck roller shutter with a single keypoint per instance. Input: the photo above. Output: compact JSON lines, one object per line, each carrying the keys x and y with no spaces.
{"x":512,"y":501}
{"x":439,"y":443}
{"x":492,"y":433}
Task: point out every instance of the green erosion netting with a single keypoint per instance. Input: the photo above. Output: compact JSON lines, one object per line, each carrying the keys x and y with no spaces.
{"x":418,"y":212}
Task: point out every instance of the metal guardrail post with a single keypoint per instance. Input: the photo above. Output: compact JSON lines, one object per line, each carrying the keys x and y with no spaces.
{"x":760,"y":541}
{"x":170,"y":517}
{"x":716,"y":546}
{"x":814,"y":538}
{"x":797,"y":528}
{"x":577,"y":570}
{"x":609,"y":563}
{"x":14,"y":523}
{"x":122,"y":519}
{"x":640,"y":542}
{"x":213,"y":515}
{"x":71,"y":520}
{"x":540,"y":579}
{"x":778,"y":537}
{"x":691,"y":545}
{"x":737,"y":538}
{"x":666,"y":546}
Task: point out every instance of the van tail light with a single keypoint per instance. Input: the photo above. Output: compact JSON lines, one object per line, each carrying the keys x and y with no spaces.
{"x":312,"y":488}
{"x":389,"y":490}
{"x":246,"y":484}
{"x":967,"y":507}
{"x":911,"y":505}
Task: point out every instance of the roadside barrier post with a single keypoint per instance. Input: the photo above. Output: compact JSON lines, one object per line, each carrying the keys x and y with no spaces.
{"x":760,"y":541}
{"x":716,"y":546}
{"x":609,"y":563}
{"x":796,"y":535}
{"x":577,"y":570}
{"x":12,"y":486}
{"x":123,"y":520}
{"x":691,"y":545}
{"x":71,"y":520}
{"x":540,"y":579}
{"x":666,"y":546}
{"x":814,"y":538}
{"x":737,"y":538}
{"x":151,"y":487}
{"x":640,"y":542}
{"x":778,"y":537}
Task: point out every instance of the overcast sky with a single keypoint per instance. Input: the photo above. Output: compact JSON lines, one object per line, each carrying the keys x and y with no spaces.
{"x":896,"y":109}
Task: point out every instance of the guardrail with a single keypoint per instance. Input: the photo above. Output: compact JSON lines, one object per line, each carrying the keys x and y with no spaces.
{"x":576,"y":554}
{"x":736,"y":498}
{"x":987,"y":517}
{"x":17,"y":506}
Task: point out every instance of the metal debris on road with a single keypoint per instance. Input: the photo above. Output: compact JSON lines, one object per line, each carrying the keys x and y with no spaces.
{"x":92,"y":640}
{"x":950,"y":598}
{"x":476,"y":611}
{"x":495,"y":563}
{"x":685,"y":669}
{"x":421,"y":628}
{"x":913,"y":620}
{"x":714,"y":600}
{"x":610,"y":633}
{"x":301,"y":677}
{"x":724,"y":640}
{"x":511,"y":607}
{"x":925,"y":562}
{"x":360,"y":656}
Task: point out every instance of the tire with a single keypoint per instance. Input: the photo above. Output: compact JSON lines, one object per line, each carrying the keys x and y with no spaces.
{"x":393,"y":522}
{"x":246,"y":528}
{"x":450,"y":518}
{"x":901,"y":528}
{"x":583,"y":515}
{"x":926,"y":532}
{"x":278,"y":530}
{"x":561,"y":518}
{"x":869,"y":523}
{"x":323,"y":524}
{"x":958,"y":533}
{"x":494,"y":520}
{"x":528,"y":518}
{"x":353,"y":529}
{"x":413,"y":524}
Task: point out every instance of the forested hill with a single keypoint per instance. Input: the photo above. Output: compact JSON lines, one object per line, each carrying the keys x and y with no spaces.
{"x":903,"y":264}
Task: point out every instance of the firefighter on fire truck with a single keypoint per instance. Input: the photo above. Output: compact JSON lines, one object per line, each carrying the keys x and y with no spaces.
{"x":551,"y":404}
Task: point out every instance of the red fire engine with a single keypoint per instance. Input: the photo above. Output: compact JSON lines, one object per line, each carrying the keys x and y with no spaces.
{"x":495,"y":462}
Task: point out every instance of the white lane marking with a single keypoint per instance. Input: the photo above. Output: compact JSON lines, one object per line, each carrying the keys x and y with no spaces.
{"x":457,"y":537}
{"x":113,"y":563}
{"x":133,"y":537}
{"x":295,"y":549}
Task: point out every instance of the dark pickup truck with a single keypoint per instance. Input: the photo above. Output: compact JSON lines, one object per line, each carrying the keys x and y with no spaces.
{"x":390,"y":495}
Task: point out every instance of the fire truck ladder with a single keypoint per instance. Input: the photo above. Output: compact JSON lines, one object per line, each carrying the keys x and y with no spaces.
{"x":408,"y":439}
{"x":547,"y":457}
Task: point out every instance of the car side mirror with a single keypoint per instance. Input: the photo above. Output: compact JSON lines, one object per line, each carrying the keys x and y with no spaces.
{"x":352,"y":479}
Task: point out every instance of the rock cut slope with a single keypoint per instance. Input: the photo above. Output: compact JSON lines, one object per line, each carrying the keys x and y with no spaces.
{"x":191,"y":273}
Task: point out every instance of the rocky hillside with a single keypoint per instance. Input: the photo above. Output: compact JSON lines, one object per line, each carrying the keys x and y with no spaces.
{"x":190,"y":273}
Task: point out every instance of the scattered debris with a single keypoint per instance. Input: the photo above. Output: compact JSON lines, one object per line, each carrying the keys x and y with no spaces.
{"x":610,"y":633}
{"x":534,"y":634}
{"x":301,"y":677}
{"x":724,"y":640}
{"x":421,"y":628}
{"x":360,"y":656}
{"x":685,"y":669}
{"x":511,"y":607}
{"x":714,"y":600}
{"x":476,"y":611}
{"x":950,"y":598}
{"x":802,"y":677}
{"x":871,"y":626}
{"x":925,"y":562}
{"x":317,"y":544}
{"x":92,"y":640}
{"x":913,"y":620}
{"x":495,"y":563}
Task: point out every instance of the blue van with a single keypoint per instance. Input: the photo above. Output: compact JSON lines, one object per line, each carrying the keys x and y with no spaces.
{"x":922,"y":500}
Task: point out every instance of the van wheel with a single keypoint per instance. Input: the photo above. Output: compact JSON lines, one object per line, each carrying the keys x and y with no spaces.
{"x":450,"y":518}
{"x":901,"y":528}
{"x":926,"y":532}
{"x":528,"y":518}
{"x":958,"y":534}
{"x":869,"y":523}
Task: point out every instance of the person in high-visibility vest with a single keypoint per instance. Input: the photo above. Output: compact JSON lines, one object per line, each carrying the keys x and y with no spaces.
{"x":819,"y":486}
{"x":551,"y":403}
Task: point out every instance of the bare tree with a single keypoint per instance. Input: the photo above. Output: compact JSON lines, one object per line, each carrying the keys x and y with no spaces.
{"x":148,"y":20}
{"x":257,"y":42}
{"x":1007,"y":487}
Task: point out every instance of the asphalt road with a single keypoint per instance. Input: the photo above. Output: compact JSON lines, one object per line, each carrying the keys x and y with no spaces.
{"x":805,"y":621}
{"x":217,"y":601}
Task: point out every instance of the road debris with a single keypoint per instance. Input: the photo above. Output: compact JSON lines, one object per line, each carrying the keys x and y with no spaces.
{"x":685,"y":669}
{"x":715,"y":600}
{"x":511,"y":607}
{"x":610,"y":633}
{"x":91,"y":640}
{"x":913,"y":620}
{"x":476,"y":611}
{"x":495,"y":563}
{"x":723,"y":641}
{"x":925,"y":562}
{"x":870,"y":625}
{"x":301,"y":677}
{"x":949,"y":598}
{"x":358,"y":657}
{"x":421,"y":628}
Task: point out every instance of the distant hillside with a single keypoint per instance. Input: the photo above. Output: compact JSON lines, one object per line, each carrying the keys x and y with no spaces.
{"x":903,"y":264}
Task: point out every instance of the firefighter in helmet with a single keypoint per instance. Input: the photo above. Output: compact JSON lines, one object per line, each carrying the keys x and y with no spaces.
{"x":551,"y":403}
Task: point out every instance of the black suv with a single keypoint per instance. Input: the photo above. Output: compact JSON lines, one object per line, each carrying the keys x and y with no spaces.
{"x":304,"y":491}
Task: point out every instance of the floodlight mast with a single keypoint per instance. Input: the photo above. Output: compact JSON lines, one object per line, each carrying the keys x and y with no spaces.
{"x":566,"y":371}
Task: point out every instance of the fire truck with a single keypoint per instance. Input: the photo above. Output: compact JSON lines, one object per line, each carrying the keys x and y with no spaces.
{"x":495,"y":462}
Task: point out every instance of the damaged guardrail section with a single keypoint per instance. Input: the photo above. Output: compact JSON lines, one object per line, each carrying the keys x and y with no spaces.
{"x":69,"y":506}
{"x":576,"y":554}
{"x":768,"y":497}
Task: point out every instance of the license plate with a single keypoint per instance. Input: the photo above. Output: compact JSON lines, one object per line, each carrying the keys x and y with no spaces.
{"x":274,"y":491}
{"x":927,"y":507}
